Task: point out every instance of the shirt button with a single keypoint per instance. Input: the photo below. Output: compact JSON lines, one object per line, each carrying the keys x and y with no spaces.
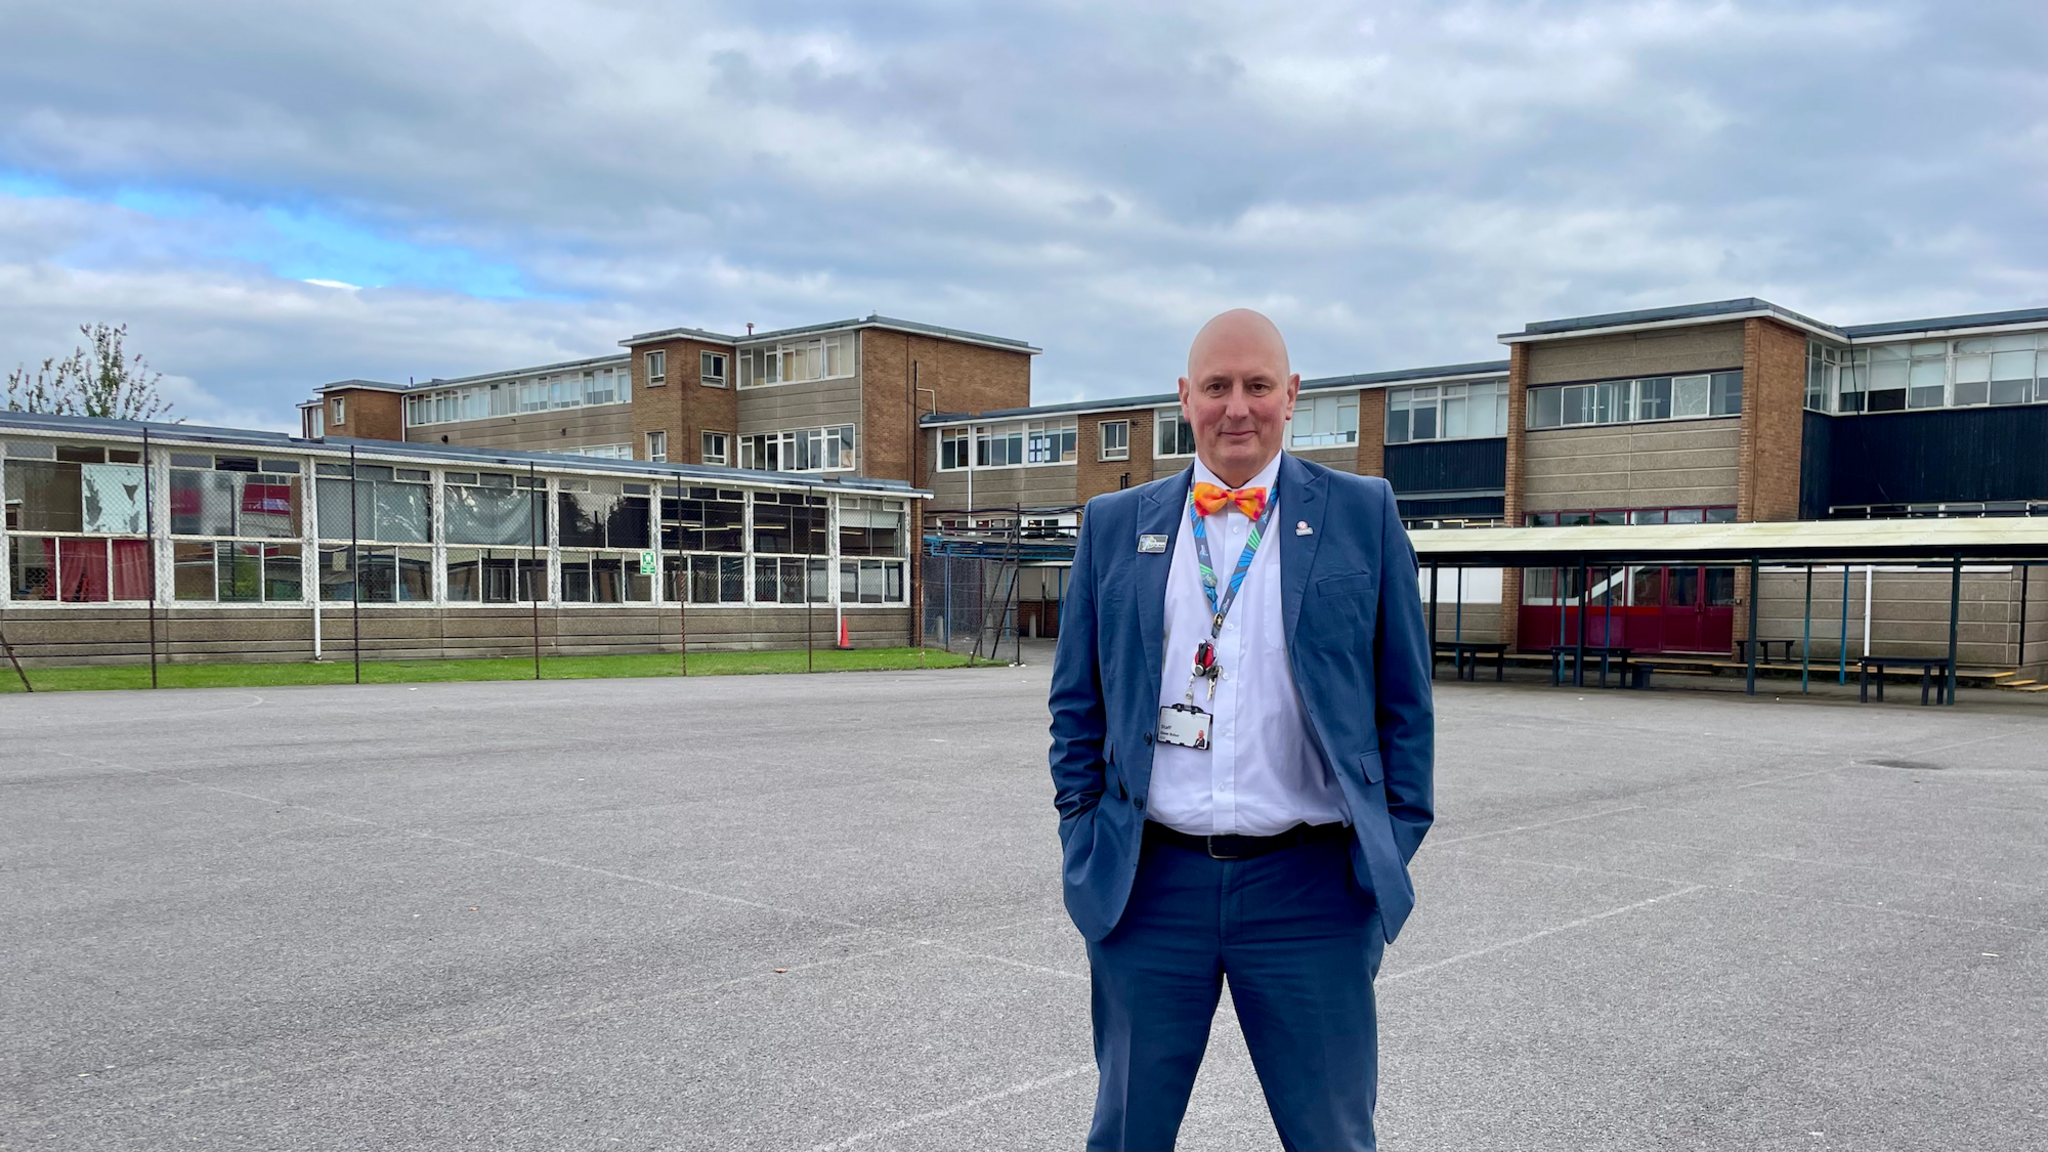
{"x":1139,"y":803}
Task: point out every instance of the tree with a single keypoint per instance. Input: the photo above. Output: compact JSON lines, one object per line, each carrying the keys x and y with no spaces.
{"x":99,"y":379}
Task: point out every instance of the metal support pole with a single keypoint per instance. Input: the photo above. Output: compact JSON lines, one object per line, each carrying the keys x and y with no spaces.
{"x":1458,"y":618}
{"x":1433,"y":573}
{"x":1806,"y":636}
{"x":355,"y":573}
{"x":533,"y":515}
{"x":149,"y":530}
{"x":1842,"y":666}
{"x":14,"y":660}
{"x":2020,"y":661}
{"x":1579,"y":657}
{"x":683,"y":607}
{"x":1754,"y":574}
{"x":809,"y":641}
{"x":1016,"y":587}
{"x":1955,"y":612}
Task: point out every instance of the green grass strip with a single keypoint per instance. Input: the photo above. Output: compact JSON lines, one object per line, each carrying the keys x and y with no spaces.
{"x":119,"y":676}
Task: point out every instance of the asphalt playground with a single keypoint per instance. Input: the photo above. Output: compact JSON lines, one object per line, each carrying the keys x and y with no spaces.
{"x":797,"y":912}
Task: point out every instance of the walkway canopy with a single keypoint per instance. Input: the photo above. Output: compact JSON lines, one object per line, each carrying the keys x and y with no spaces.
{"x":1950,"y":542}
{"x":2018,"y":539}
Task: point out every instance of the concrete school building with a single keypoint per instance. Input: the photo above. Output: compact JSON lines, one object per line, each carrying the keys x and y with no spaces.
{"x":1726,"y":412}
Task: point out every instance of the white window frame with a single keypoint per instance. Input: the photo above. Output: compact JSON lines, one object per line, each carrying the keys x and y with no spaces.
{"x":1160,"y":421}
{"x":656,"y":362}
{"x":1620,"y":398}
{"x":1344,"y":437}
{"x":341,"y":409}
{"x":963,"y":455}
{"x":1103,"y":451}
{"x":1405,"y":400}
{"x":723,"y":457}
{"x":706,"y":376}
{"x":837,"y":352}
{"x":1063,"y":432}
{"x":657,"y":447}
{"x":987,"y":436}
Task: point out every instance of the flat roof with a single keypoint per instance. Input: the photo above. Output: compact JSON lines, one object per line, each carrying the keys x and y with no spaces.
{"x":1743,"y":308}
{"x":1446,"y":372}
{"x":332,"y":447}
{"x":1776,"y":541}
{"x":873,"y":320}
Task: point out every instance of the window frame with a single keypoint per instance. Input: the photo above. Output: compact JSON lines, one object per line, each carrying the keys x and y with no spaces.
{"x":653,"y":438}
{"x":1161,"y":419}
{"x":654,"y":365}
{"x":340,"y":409}
{"x":1405,"y":401}
{"x":709,"y":378}
{"x":724,"y":453}
{"x":1121,"y":451}
{"x":1619,"y":400}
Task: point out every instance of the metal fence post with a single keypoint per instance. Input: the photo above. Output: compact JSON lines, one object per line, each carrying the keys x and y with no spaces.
{"x":1955,"y":612}
{"x":1755,"y":586}
{"x":149,"y":532}
{"x":533,"y":514}
{"x":355,"y":571}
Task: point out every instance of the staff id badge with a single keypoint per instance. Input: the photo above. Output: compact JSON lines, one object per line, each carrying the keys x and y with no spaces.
{"x":1185,"y":725}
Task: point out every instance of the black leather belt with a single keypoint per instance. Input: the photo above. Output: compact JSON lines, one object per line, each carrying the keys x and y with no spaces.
{"x":1244,"y":847}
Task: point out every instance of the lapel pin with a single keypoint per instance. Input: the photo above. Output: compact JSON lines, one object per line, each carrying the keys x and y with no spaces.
{"x":1301,"y":528}
{"x":1151,"y":543}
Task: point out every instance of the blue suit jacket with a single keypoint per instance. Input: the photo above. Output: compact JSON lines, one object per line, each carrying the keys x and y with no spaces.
{"x":1356,"y":641}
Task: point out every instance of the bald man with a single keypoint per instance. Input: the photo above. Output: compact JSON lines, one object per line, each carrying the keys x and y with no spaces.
{"x":1242,"y":741}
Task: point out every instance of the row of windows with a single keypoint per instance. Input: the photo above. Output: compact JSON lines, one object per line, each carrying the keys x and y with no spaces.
{"x":711,"y":367}
{"x":1699,"y":396}
{"x":1010,"y":445}
{"x":798,"y":450}
{"x":1447,"y":412}
{"x":1722,"y":514}
{"x":545,"y":393}
{"x":240,"y":530}
{"x":795,"y":361}
{"x":1970,"y":373}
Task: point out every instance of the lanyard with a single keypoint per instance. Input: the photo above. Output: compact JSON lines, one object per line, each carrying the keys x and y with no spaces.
{"x":1221,"y":608}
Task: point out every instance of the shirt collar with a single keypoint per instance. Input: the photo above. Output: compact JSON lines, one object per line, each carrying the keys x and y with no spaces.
{"x":1266,"y":478}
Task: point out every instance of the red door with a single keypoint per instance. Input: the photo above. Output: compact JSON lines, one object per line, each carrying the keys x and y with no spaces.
{"x":1699,"y":609}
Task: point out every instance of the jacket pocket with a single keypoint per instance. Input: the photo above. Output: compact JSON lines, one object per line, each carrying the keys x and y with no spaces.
{"x":1349,"y":584}
{"x":1369,"y":763}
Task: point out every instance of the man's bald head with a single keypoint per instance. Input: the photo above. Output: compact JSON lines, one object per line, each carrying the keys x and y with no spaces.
{"x":1238,"y":394}
{"x":1238,"y":331}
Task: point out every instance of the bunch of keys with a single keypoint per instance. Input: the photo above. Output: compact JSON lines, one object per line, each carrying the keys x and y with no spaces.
{"x":1205,"y":665}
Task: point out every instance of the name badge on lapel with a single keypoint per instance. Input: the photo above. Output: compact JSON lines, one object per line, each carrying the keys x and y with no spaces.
{"x":1151,"y":542}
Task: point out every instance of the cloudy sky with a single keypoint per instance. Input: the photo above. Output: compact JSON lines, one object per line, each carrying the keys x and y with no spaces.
{"x":276,"y":194}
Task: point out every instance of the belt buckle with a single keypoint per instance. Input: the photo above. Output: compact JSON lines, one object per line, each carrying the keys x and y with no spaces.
{"x":1209,"y":843}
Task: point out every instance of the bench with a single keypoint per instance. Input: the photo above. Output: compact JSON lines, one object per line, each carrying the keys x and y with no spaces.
{"x":1606,"y":653}
{"x":1763,"y":650}
{"x":1943,"y":693}
{"x":1464,"y":651}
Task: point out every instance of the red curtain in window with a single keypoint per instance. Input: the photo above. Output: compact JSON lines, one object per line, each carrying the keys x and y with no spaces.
{"x":131,"y":570}
{"x":81,"y":571}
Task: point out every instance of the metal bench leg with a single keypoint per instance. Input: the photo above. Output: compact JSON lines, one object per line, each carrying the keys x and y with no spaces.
{"x":1863,"y":684}
{"x":1923,"y":685}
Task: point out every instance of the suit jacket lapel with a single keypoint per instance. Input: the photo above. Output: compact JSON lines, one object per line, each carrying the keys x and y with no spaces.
{"x":1158,"y":514}
{"x":1301,"y":502}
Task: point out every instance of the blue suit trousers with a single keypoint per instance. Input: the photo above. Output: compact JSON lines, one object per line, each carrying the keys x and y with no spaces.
{"x":1299,"y":943}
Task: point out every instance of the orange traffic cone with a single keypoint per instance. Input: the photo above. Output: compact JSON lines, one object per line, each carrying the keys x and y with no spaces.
{"x":843,"y":641}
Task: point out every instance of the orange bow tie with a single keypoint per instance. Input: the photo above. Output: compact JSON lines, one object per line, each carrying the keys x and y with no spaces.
{"x":1209,"y":498}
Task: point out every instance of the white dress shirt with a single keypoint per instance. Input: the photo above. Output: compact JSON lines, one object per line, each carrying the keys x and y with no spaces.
{"x":1261,"y":774}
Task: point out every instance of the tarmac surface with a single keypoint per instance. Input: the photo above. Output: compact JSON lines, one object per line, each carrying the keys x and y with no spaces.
{"x":823,"y":912}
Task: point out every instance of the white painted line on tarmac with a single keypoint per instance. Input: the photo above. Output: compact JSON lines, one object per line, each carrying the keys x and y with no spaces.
{"x":955,"y":1109}
{"x":1532,"y":937}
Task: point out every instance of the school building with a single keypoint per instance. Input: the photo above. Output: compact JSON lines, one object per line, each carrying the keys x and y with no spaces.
{"x":825,"y":466}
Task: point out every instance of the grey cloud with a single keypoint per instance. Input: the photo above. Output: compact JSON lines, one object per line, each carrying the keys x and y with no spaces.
{"x":1396,"y":183}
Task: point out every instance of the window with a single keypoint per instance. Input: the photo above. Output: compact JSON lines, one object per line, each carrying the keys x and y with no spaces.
{"x":793,"y":362}
{"x":365,"y":525}
{"x":602,"y":451}
{"x":1655,"y":398}
{"x":340,"y":410}
{"x":1442,"y":412}
{"x":1823,"y":374}
{"x":998,"y":445}
{"x":711,"y":369}
{"x":76,"y":503}
{"x":952,"y":449}
{"x":1325,"y":421}
{"x":1983,"y":370}
{"x":316,"y":422}
{"x":714,"y":449}
{"x":871,"y":527}
{"x":790,"y":548}
{"x":656,"y":362}
{"x":799,"y":450}
{"x":1174,"y":435}
{"x":1115,"y":440}
{"x":657,"y":447}
{"x":1050,"y":442}
{"x":703,"y":535}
